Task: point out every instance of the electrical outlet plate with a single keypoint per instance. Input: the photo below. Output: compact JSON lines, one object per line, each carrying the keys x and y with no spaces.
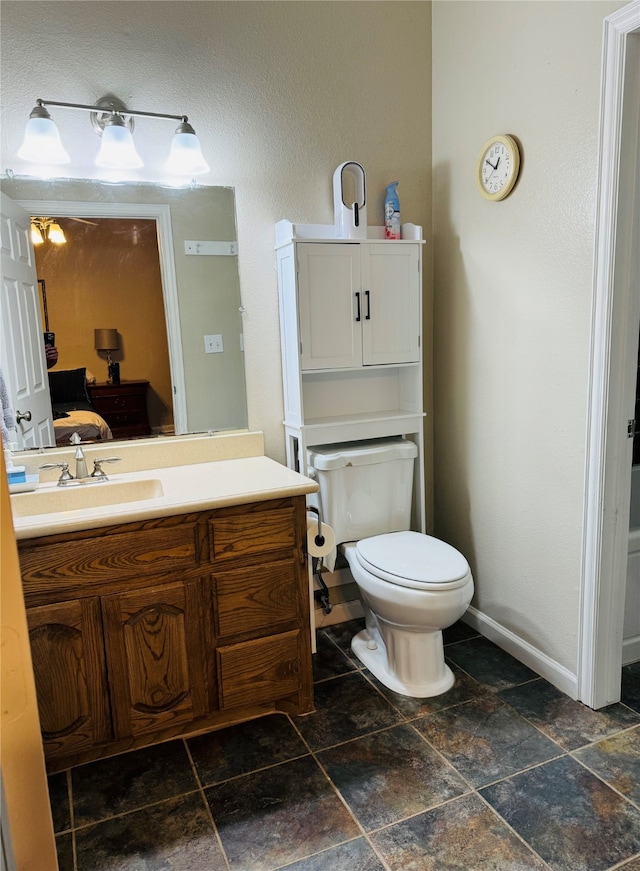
{"x":213,"y":344}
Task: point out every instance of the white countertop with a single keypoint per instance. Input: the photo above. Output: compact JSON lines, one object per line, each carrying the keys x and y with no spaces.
{"x":185,"y":488}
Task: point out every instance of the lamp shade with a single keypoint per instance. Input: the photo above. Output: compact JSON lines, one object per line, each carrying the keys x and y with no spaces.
{"x":117,"y":149}
{"x":106,"y":340}
{"x":42,"y":143}
{"x":185,"y":157}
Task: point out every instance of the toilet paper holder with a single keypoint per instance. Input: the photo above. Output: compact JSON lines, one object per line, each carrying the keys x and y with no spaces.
{"x":321,"y":595}
{"x":319,"y":539}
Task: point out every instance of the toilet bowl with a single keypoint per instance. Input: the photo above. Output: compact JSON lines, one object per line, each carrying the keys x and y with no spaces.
{"x":412,"y":585}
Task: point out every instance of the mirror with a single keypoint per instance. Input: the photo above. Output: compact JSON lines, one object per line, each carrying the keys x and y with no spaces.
{"x":200,"y":286}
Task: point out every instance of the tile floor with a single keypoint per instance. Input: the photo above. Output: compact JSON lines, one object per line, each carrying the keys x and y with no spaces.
{"x":502,"y":773}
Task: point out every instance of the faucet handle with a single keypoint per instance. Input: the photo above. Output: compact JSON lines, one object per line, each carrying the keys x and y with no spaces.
{"x":98,"y":471}
{"x":65,"y":475}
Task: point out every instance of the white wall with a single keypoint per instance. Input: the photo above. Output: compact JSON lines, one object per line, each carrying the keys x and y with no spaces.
{"x":279,"y":93}
{"x":512,"y":303}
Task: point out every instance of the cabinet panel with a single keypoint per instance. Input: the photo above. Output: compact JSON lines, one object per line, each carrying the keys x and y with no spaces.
{"x":156,"y":657}
{"x":330,"y":299}
{"x":70,"y":675}
{"x":391,"y":323}
{"x":108,"y":558}
{"x":256,"y":597}
{"x":245,"y":534}
{"x":259,"y":671}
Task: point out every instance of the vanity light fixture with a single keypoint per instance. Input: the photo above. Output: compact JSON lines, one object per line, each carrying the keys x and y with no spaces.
{"x":112,"y":120}
{"x":46,"y":228}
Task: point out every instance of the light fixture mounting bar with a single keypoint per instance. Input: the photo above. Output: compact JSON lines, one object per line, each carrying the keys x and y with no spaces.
{"x":104,"y":109}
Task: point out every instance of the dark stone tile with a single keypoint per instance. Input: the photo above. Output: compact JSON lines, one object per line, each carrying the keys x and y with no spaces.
{"x":462,"y":835}
{"x":572,"y":819}
{"x":616,"y":760}
{"x":568,"y":722}
{"x":279,"y":815}
{"x":243,"y":748}
{"x":489,"y":664}
{"x":64,"y":849}
{"x":458,"y":632}
{"x":59,"y":801}
{"x":390,"y":775}
{"x":631,"y":686}
{"x":130,"y":781}
{"x":346,"y":707}
{"x":485,"y":740}
{"x":464,"y":689}
{"x":633,"y":865}
{"x":353,"y":856}
{"x":175,"y":835}
{"x":329,"y":661}
{"x":342,"y":633}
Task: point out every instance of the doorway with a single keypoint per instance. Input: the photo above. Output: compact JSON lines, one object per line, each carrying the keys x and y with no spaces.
{"x":615,"y":325}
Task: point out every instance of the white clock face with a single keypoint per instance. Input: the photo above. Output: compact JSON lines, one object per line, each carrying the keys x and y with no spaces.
{"x":496,"y":169}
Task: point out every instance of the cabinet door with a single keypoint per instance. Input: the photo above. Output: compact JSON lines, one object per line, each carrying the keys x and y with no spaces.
{"x":391,"y":304}
{"x":330,"y":302}
{"x":69,"y":667}
{"x":156,"y":653}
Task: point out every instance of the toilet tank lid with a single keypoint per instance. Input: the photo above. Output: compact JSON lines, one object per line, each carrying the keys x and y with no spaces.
{"x":367,"y":452}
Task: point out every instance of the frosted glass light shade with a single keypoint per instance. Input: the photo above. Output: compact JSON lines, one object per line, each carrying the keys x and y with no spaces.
{"x":185,"y":157}
{"x":117,"y":149}
{"x":55,"y":234}
{"x":36,"y":236}
{"x":42,"y":143}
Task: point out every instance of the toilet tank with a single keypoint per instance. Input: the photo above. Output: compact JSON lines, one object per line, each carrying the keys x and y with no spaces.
{"x":365,"y":487}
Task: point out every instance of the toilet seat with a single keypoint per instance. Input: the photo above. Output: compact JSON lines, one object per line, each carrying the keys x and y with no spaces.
{"x":415,"y":560}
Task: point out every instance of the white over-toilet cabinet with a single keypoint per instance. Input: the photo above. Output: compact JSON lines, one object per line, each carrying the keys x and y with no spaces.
{"x":351,"y":339}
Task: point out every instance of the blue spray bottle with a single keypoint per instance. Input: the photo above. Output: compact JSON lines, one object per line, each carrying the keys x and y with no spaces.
{"x":392,"y":212}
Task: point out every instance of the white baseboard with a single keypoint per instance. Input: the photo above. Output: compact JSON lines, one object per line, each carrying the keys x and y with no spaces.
{"x":631,"y":650}
{"x":524,"y":652}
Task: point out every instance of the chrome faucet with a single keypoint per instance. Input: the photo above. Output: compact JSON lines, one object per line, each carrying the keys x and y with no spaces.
{"x":81,"y":462}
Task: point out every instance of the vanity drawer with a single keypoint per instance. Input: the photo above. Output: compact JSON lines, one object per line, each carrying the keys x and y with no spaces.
{"x":67,"y":567}
{"x":256,"y":597}
{"x":259,"y":671}
{"x":237,"y":535}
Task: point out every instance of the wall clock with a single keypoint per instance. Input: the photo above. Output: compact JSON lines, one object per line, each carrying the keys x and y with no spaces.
{"x":498,"y":167}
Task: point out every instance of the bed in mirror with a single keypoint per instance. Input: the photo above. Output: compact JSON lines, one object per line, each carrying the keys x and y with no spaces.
{"x":139,"y":260}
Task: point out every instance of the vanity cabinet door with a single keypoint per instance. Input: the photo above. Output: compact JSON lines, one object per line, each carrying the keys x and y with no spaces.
{"x":70,"y":675}
{"x":156,"y":647}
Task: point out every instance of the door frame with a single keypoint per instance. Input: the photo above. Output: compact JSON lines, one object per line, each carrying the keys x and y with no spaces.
{"x":608,"y":479}
{"x":161,"y":213}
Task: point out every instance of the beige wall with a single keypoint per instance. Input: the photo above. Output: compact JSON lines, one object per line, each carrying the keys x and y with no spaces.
{"x":279,"y":93}
{"x":513,"y":291}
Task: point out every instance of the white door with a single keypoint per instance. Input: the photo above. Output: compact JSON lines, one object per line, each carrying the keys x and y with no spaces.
{"x":331,"y":305}
{"x":391,"y":304}
{"x":22,"y":348}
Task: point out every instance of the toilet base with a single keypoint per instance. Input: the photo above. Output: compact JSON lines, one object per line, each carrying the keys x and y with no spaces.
{"x":377,"y":662}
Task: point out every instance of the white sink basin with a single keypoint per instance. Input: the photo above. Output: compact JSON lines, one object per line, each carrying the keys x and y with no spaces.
{"x":50,"y":500}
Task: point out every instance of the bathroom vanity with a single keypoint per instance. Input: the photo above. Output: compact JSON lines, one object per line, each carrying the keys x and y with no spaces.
{"x":183,"y":620}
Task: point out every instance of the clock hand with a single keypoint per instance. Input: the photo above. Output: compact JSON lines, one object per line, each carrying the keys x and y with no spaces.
{"x":491,"y":165}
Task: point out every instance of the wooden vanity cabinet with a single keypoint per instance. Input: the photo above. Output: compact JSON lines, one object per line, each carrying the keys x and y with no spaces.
{"x":149,"y":630}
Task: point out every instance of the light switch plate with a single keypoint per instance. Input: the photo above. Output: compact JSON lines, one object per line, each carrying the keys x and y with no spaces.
{"x":213,"y":344}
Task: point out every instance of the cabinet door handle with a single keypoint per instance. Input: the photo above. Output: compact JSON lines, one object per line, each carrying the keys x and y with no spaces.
{"x":367,"y":317}
{"x":358,"y":308}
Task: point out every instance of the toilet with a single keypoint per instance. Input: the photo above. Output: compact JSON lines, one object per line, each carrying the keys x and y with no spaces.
{"x":412,"y":585}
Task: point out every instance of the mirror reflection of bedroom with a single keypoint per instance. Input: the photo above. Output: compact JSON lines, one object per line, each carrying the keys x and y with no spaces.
{"x":106,"y":277}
